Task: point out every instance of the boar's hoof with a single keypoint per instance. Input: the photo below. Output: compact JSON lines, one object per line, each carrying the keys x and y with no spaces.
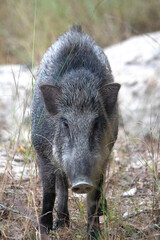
{"x":45,"y":229}
{"x":60,"y":223}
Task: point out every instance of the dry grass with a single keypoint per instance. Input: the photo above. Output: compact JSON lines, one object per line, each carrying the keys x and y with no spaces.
{"x":135,"y":163}
{"x":107,"y":21}
{"x":135,"y":166}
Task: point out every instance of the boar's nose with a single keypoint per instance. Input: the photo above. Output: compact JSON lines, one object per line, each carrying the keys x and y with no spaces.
{"x":82,"y":187}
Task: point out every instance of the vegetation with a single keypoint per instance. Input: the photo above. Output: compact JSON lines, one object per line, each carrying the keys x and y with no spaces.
{"x":132,"y":192}
{"x":27,"y":29}
{"x":108,"y":21}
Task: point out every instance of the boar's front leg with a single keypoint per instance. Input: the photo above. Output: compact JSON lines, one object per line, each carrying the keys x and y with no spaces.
{"x":48,"y":178}
{"x":95,"y":209}
{"x":62,"y":210}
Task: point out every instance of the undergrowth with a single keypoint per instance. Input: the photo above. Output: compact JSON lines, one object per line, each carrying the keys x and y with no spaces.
{"x":106,"y":21}
{"x":132,"y":184}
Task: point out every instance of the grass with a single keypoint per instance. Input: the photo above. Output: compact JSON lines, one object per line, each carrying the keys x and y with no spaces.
{"x":107,"y":21}
{"x":26,"y":33}
{"x":128,"y":217}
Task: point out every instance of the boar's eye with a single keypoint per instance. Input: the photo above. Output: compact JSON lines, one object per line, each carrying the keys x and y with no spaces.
{"x":65,"y":129}
{"x":65,"y":123}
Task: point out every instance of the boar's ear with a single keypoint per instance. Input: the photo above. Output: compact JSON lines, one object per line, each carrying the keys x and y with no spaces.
{"x":109,"y":93}
{"x":50,"y":95}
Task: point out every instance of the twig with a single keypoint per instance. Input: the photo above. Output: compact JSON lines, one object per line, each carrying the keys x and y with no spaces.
{"x":3,"y":207}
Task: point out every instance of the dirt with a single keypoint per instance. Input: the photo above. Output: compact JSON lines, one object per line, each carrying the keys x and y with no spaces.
{"x":132,"y":192}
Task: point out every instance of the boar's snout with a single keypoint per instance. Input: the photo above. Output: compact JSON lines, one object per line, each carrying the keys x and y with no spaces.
{"x":82,"y":186}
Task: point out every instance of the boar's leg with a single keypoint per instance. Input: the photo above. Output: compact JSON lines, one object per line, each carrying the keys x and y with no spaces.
{"x":95,"y":209}
{"x":62,"y":210}
{"x":48,"y":182}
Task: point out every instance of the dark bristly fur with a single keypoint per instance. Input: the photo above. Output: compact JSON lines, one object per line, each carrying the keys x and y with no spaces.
{"x":74,"y":125}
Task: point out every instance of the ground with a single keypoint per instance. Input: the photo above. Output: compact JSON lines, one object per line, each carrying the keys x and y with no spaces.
{"x":132,"y":189}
